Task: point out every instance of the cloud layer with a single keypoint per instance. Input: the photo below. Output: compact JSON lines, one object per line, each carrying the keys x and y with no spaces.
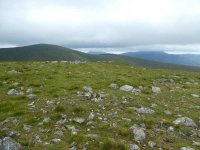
{"x":115,"y":24}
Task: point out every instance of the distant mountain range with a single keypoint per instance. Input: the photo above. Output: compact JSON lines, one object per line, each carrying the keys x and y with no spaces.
{"x":183,"y":59}
{"x":47,"y":52}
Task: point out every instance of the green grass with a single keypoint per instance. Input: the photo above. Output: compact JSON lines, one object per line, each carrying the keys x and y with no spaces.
{"x":59,"y":83}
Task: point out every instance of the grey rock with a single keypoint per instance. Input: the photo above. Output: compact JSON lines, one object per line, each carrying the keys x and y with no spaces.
{"x":31,"y":96}
{"x":93,"y":135}
{"x":156,"y":89}
{"x":133,"y":147}
{"x":145,"y":110}
{"x":185,"y":121}
{"x":113,"y":86}
{"x":8,"y":144}
{"x":126,"y":88}
{"x":151,"y":144}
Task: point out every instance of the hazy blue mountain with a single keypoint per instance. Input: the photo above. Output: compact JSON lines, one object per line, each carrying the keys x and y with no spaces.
{"x":184,"y":59}
{"x":47,"y":52}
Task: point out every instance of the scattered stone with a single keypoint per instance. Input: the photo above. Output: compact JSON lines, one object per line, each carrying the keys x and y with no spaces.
{"x":28,"y":128}
{"x":15,"y":92}
{"x":196,"y":143}
{"x":167,"y":112}
{"x":126,"y":119}
{"x":91,"y":117}
{"x":133,"y":147}
{"x":13,"y":72}
{"x":156,"y":89}
{"x":151,"y":144}
{"x":170,"y":129}
{"x":93,"y":135}
{"x":186,"y":148}
{"x":31,"y":96}
{"x":59,"y":133}
{"x":87,"y":89}
{"x":8,"y":144}
{"x":73,"y":148}
{"x":61,"y":122}
{"x":138,"y":132}
{"x":185,"y":121}
{"x":56,"y":140}
{"x":37,"y":138}
{"x":144,"y":110}
{"x":46,"y":120}
{"x":15,"y":84}
{"x":113,"y":86}
{"x":29,"y":90}
{"x":195,"y":95}
{"x":79,"y":120}
{"x":126,"y":88}
{"x":12,"y":133}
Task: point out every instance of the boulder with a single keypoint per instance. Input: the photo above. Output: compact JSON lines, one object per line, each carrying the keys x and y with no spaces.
{"x":8,"y":144}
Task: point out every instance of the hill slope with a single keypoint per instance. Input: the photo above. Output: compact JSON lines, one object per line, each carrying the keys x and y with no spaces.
{"x":99,"y":118}
{"x":46,"y":52}
{"x":184,"y":59}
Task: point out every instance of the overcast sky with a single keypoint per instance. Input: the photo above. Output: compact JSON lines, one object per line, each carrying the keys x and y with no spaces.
{"x":107,"y":25}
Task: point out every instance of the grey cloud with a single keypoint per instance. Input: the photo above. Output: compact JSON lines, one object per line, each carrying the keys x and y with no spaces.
{"x":96,"y":29}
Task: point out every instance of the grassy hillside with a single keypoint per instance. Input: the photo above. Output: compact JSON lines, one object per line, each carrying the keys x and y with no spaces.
{"x":45,"y":52}
{"x":60,"y":100}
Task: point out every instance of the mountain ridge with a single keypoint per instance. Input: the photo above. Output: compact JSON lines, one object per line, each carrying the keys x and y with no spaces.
{"x":48,"y":52}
